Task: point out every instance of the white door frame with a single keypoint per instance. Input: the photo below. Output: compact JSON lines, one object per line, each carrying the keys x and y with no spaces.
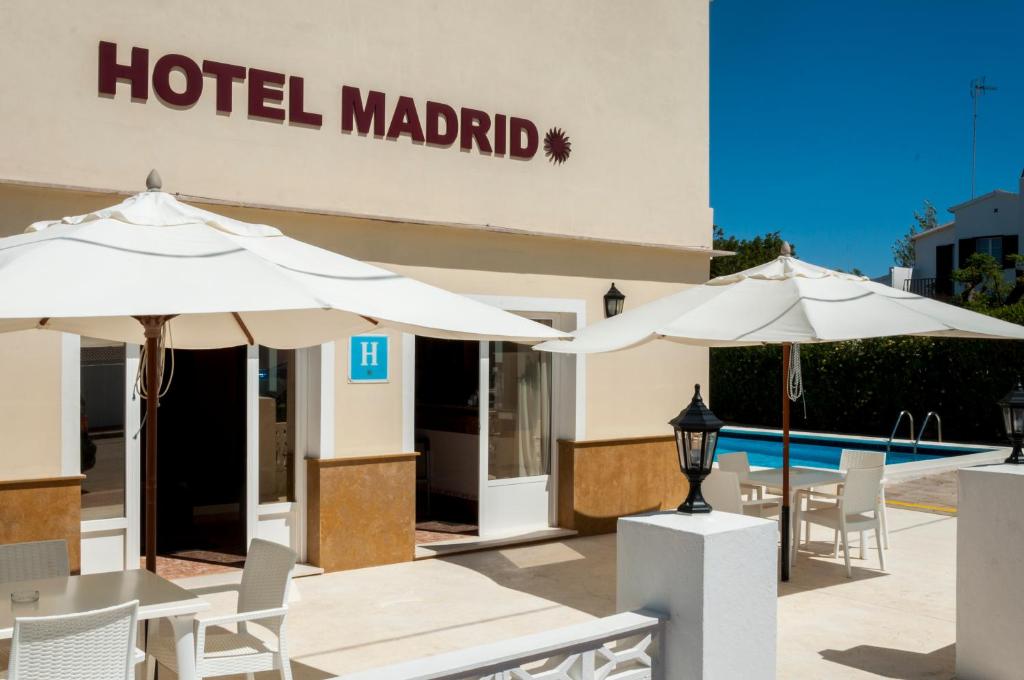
{"x":125,"y":532}
{"x":282,"y":521}
{"x":568,"y":386}
{"x":112,"y":543}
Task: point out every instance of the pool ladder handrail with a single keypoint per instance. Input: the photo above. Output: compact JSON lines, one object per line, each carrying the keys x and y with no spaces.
{"x":899,"y":419}
{"x":938,"y":422}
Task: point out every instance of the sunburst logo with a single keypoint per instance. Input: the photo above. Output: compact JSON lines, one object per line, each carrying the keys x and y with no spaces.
{"x":557,"y":146}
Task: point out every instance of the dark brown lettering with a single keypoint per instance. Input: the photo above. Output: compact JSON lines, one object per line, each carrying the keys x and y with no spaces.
{"x":225,"y":75}
{"x":136,"y":73}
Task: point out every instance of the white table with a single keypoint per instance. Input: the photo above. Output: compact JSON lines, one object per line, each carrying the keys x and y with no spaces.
{"x":158,"y":598}
{"x":800,"y":478}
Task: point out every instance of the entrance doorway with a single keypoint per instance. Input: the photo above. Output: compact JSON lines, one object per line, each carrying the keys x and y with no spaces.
{"x":201,"y":462}
{"x":447,"y":439}
{"x":485,"y":462}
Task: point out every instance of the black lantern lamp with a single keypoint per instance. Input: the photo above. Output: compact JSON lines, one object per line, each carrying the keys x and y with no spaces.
{"x":614,"y":300}
{"x":1013,"y":419}
{"x":696,"y":429}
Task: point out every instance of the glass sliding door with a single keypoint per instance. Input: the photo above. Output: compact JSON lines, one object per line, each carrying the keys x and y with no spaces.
{"x":516,"y":438}
{"x":519,"y":414}
{"x":103,"y":442}
{"x":277,"y":425}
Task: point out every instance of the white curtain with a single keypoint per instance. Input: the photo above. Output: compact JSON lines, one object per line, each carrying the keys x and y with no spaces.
{"x":533,"y":413}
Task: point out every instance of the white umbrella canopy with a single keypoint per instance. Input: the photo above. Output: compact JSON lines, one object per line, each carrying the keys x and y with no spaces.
{"x":785,"y":302}
{"x":223,"y":281}
{"x":156,"y":271}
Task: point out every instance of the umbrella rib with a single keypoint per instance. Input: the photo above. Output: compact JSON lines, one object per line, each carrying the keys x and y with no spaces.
{"x":245,"y":329}
{"x":136,"y":251}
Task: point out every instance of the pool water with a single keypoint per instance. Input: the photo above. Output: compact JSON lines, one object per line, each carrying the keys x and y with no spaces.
{"x":764,"y":449}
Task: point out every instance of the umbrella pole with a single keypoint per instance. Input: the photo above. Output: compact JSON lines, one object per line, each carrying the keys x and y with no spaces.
{"x":153,"y":326}
{"x":787,"y":348}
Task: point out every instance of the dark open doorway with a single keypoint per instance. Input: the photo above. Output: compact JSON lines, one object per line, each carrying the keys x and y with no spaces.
{"x":447,"y":439}
{"x":201,"y":466}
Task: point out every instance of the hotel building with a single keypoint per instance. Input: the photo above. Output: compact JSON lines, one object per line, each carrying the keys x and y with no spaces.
{"x":526,"y":154}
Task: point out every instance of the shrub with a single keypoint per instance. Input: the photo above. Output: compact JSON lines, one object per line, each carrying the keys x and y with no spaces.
{"x":859,"y":387}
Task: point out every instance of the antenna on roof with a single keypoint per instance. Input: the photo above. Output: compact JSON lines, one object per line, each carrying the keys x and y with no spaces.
{"x":978,"y":88}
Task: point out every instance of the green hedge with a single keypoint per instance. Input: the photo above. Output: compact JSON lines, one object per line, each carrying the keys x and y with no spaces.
{"x":859,"y":387}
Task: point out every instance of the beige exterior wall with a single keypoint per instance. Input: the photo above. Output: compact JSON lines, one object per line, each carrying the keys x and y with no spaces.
{"x":30,"y":405}
{"x":627,"y":81}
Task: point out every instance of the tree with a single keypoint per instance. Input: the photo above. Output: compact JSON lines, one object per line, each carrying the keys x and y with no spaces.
{"x":749,"y":252}
{"x":984,"y":285}
{"x":903,"y":249}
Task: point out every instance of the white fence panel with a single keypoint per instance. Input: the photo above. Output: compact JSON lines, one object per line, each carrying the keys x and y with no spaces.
{"x":619,"y":647}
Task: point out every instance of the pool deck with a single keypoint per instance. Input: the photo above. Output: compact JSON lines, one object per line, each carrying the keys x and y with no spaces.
{"x":899,"y":624}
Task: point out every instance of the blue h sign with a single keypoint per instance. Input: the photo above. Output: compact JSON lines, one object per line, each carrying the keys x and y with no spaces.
{"x":368,"y":358}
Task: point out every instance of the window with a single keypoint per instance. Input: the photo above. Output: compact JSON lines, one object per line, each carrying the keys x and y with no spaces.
{"x":277,"y":425}
{"x":102,"y":428}
{"x":990,"y":245}
{"x":519,"y":435}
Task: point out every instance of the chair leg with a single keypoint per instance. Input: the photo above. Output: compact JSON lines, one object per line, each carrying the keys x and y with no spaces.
{"x":835,"y":546}
{"x":286,"y":669}
{"x":862,"y":545}
{"x":150,"y":667}
{"x":885,"y":521}
{"x":846,"y":551}
{"x":878,"y":542}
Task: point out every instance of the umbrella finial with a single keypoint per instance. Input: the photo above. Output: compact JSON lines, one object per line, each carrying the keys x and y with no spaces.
{"x":153,"y":181}
{"x":787,"y":250}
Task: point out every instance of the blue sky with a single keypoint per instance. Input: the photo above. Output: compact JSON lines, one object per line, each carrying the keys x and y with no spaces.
{"x":833,"y":121}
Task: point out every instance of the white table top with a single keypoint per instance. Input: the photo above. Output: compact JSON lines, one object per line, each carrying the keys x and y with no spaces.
{"x":799,"y":477}
{"x":157,"y":596}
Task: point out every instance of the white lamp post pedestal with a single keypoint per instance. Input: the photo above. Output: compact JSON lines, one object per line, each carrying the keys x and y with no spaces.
{"x":716,"y":577}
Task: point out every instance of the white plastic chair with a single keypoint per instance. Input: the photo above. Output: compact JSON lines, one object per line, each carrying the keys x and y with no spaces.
{"x":262,"y":598}
{"x":28,"y":562}
{"x":722,"y":490}
{"x":34,"y":560}
{"x":739,"y":464}
{"x":95,"y":645}
{"x":856,"y":509}
{"x":850,"y":459}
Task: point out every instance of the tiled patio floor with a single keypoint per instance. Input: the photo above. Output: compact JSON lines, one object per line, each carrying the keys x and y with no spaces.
{"x":895,"y":625}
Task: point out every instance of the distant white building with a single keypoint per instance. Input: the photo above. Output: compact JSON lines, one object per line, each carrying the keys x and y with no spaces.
{"x":991,"y":223}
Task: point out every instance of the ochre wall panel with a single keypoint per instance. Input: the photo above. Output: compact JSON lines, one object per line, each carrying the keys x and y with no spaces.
{"x":43,"y":509}
{"x":361,"y":511}
{"x":600,"y":481}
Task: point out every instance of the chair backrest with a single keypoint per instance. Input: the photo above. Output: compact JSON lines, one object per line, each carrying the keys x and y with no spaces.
{"x":265,"y":578}
{"x":95,"y":645}
{"x":722,"y":490}
{"x":850,"y":459}
{"x":35,"y":560}
{"x":735,"y":462}
{"x":861,"y":489}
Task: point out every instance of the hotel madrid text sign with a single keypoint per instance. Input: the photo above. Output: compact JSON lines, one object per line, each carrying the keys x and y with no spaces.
{"x":279,"y":97}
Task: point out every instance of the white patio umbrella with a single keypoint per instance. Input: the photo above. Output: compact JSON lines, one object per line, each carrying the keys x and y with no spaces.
{"x":785,"y":302}
{"x":155,"y":271}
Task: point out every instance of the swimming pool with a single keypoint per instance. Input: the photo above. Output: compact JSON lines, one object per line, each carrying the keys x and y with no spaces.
{"x":764,"y":449}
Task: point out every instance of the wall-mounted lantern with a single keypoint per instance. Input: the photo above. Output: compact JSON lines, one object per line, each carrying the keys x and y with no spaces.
{"x":614,"y":301}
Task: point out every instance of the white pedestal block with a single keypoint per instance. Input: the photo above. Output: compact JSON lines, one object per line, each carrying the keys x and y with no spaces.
{"x":716,"y":578}
{"x":990,"y":573}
